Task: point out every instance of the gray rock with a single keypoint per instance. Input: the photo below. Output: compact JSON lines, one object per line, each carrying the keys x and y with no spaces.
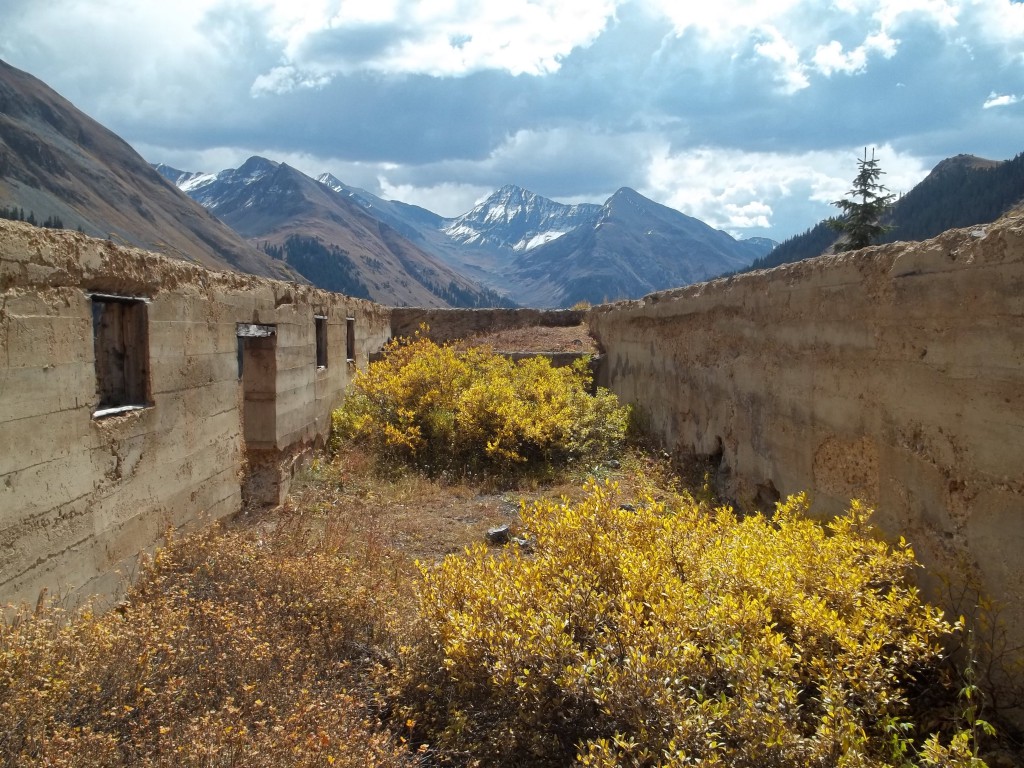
{"x":524,"y":544}
{"x":499,"y":535}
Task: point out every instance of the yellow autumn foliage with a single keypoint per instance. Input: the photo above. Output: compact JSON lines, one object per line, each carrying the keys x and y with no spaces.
{"x":654,"y":634}
{"x":449,"y":411}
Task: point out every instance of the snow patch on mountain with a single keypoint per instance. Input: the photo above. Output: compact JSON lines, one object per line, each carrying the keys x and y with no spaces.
{"x":537,"y":240}
{"x":196,"y":181}
{"x":515,"y":219}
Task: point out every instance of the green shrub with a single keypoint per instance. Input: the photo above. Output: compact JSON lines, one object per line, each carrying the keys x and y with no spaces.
{"x":477,"y":412}
{"x":645,"y":635}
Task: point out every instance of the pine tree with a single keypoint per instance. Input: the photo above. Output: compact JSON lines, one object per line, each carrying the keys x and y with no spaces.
{"x":868,"y":202}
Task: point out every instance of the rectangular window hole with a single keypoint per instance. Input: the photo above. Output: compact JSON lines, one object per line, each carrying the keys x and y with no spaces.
{"x":250,"y":331}
{"x":350,"y":339}
{"x":121,"y":350}
{"x":321,"y":341}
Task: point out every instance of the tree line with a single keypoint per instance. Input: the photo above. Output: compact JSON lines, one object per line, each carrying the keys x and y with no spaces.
{"x":13,"y":213}
{"x":323,"y":264}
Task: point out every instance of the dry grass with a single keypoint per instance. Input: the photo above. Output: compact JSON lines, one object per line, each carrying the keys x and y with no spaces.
{"x":574,"y":338}
{"x":270,"y":641}
{"x":424,"y":519}
{"x":259,"y":643}
{"x":237,"y":647}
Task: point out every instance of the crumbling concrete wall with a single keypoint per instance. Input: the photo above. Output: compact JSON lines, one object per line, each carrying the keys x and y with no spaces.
{"x":81,"y":495}
{"x":450,"y":324}
{"x":894,"y":374}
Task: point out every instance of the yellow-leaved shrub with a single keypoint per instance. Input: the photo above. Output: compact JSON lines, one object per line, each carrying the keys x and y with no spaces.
{"x":649,"y":634}
{"x":475,"y":411}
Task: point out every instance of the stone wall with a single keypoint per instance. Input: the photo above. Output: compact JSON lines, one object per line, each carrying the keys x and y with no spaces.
{"x":93,"y":471}
{"x":450,"y":324}
{"x":894,"y":374}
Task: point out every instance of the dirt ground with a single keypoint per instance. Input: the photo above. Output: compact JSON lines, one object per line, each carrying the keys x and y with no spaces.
{"x":425,"y":519}
{"x":574,"y":338}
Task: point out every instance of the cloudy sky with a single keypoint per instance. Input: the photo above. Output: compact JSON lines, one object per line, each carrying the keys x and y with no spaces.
{"x":748,"y":115}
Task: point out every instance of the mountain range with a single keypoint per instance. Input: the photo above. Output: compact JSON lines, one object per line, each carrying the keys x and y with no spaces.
{"x":61,"y":168}
{"x":326,"y":237}
{"x":532,"y":250}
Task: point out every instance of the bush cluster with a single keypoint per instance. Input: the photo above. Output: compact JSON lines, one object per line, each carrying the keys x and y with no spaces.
{"x":229,"y":652}
{"x":470,"y":412}
{"x":643,"y":634}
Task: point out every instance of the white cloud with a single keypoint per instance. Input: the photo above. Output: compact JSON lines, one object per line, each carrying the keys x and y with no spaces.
{"x":145,"y":53}
{"x":1000,"y":22}
{"x":1000,"y":100}
{"x":442,"y":38}
{"x":798,"y":37}
{"x":449,"y":199}
{"x":944,"y":14}
{"x":735,"y":190}
{"x":726,"y":23}
{"x":790,"y":72}
{"x":831,"y":58}
{"x":287,"y":78}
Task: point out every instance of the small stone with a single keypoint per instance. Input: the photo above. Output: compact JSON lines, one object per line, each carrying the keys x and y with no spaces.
{"x":499,"y":535}
{"x":613,"y":463}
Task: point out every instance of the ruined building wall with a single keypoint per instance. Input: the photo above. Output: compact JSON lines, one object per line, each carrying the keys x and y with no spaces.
{"x":894,"y":374}
{"x":451,"y":324}
{"x":82,"y":495}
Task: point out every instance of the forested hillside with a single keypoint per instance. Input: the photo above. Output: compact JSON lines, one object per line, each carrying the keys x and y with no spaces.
{"x":814,"y":242}
{"x":960,"y":191}
{"x":326,"y":266}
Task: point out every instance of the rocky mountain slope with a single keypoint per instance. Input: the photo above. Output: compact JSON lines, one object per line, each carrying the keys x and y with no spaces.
{"x":517,"y":220}
{"x":58,"y":164}
{"x":544,"y":253}
{"x":960,"y":191}
{"x":326,"y":236}
{"x":426,"y":229}
{"x":634,"y":247}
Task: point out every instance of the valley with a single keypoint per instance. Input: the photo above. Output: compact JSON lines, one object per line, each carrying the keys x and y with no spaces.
{"x":438,"y":385}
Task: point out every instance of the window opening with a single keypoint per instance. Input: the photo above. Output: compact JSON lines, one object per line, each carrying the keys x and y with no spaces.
{"x":350,"y":339}
{"x":321,"y":341}
{"x":121,"y":351}
{"x":245,"y":331}
{"x":258,"y":367}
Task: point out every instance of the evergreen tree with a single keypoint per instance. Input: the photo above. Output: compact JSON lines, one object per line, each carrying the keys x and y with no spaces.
{"x":868,"y":202}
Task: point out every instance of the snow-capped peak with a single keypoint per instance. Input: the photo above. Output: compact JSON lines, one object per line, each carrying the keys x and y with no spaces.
{"x":516,"y":219}
{"x":332,"y":181}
